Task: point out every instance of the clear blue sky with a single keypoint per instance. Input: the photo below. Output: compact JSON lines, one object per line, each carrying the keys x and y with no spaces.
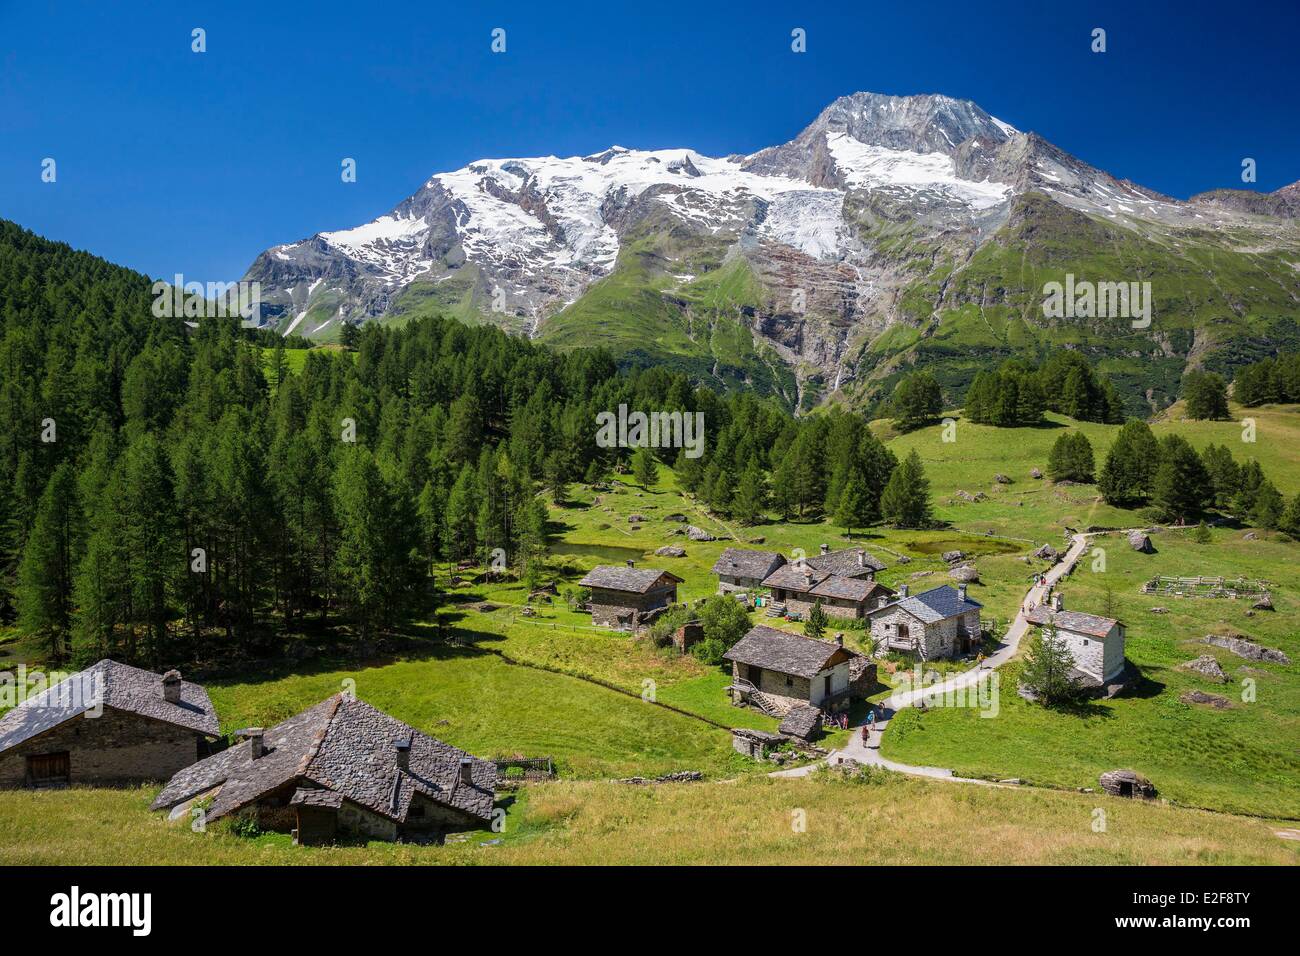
{"x":171,"y":161}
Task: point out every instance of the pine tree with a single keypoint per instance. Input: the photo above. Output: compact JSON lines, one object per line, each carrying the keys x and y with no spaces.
{"x":1046,"y":671}
{"x":750,"y":502}
{"x":1071,"y":458}
{"x":1181,"y":488}
{"x":1127,"y":476}
{"x":45,"y":576}
{"x":856,"y":509}
{"x":1269,"y":507}
{"x":917,"y":400}
{"x":906,"y":499}
{"x":1206,"y":395}
{"x":458,"y":540}
{"x":815,"y":626}
{"x":645,"y":470}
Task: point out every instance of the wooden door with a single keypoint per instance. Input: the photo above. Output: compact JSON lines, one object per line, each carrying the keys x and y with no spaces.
{"x":49,"y":770}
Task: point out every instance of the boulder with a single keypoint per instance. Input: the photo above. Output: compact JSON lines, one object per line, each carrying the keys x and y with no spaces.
{"x":1140,"y":541}
{"x":1201,"y":697}
{"x":1002,"y":479}
{"x":1127,"y":783}
{"x":903,"y":559}
{"x":679,"y":518}
{"x":1047,"y":553}
{"x":967,"y":496}
{"x":635,"y":517}
{"x":952,"y":557}
{"x":1035,"y":473}
{"x":965,"y":573}
{"x":1206,"y":666}
{"x":671,"y":551}
{"x":1265,"y":603}
{"x":1160,"y":610}
{"x":1245,"y":647}
{"x":698,"y":534}
{"x":1249,"y":536}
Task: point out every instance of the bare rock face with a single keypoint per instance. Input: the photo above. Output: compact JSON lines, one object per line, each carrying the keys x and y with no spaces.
{"x":1206,"y":666}
{"x":1244,"y":647}
{"x":1127,"y":783}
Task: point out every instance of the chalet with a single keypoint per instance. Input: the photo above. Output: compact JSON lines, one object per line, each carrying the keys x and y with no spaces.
{"x":778,"y":671}
{"x":799,"y":586}
{"x":743,"y":569}
{"x":1096,"y":643}
{"x":110,"y":723}
{"x":941,"y":622}
{"x":625,"y":598}
{"x":340,"y":767}
{"x":847,"y":563}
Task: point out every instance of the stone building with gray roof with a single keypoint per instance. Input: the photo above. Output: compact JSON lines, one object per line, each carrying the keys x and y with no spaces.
{"x":626,"y":597}
{"x":940,"y":622}
{"x":108,"y":724}
{"x":777,"y":671}
{"x":743,"y":569}
{"x":801,"y":585}
{"x":1096,"y":643}
{"x":846,"y":562}
{"x":340,"y":767}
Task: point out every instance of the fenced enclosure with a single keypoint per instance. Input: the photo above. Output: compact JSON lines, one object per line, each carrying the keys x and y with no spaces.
{"x":525,"y":768}
{"x":1203,"y":586}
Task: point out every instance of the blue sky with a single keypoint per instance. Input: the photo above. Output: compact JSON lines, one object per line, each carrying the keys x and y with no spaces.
{"x":171,"y":161}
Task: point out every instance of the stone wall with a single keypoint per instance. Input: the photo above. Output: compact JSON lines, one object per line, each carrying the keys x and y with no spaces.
{"x":115,"y":747}
{"x":940,"y":639}
{"x":802,"y":604}
{"x":1102,"y":659}
{"x":619,"y":609}
{"x":796,"y":688}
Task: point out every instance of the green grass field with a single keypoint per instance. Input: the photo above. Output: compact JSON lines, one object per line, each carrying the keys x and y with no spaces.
{"x":892,"y":820}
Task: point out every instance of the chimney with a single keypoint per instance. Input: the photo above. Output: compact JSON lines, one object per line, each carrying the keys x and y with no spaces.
{"x":255,"y":743}
{"x":884,"y":599}
{"x":839,"y":638}
{"x":826,"y":549}
{"x":862,"y":558}
{"x":171,"y":687}
{"x":902,"y":590}
{"x":961,"y":592}
{"x":467,"y":771}
{"x":1058,"y":603}
{"x":402,"y":749}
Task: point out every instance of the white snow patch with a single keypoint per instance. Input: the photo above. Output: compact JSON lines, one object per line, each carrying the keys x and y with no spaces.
{"x":874,"y":167}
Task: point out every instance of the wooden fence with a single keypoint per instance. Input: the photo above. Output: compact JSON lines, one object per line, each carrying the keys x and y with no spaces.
{"x":525,"y":768}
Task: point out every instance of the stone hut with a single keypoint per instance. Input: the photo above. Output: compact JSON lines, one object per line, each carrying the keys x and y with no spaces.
{"x":743,"y":569}
{"x":1096,"y":643}
{"x":777,"y":670}
{"x":625,"y":598}
{"x":755,"y":744}
{"x":799,"y":586}
{"x":341,"y":766}
{"x":1127,"y":783}
{"x":688,"y":635}
{"x":804,"y":723}
{"x":109,"y":724}
{"x":940,"y":622}
{"x":847,"y":562}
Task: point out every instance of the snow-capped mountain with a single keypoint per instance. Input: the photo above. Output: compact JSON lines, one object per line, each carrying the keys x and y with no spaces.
{"x":815,"y":222}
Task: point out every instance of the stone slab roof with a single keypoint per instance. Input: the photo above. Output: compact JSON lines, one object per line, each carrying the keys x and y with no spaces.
{"x":850,"y":562}
{"x":616,"y":577}
{"x":795,"y":577}
{"x":934,"y":605}
{"x":803,"y":720}
{"x":850,"y":589}
{"x":747,"y":563}
{"x":316,"y":797}
{"x":783,"y":652}
{"x":346,"y":746}
{"x":117,"y":686}
{"x":1091,"y":624}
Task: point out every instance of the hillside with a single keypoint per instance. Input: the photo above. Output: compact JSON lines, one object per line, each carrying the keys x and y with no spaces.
{"x":891,"y":233}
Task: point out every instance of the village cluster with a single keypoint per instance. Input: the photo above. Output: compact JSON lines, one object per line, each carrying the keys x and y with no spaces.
{"x":344,"y":768}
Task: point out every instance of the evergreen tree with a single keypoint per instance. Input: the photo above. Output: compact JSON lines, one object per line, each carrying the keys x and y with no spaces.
{"x":1206,"y":395}
{"x":1128,"y":475}
{"x":1046,"y":671}
{"x":1225,"y":475}
{"x":1181,"y":488}
{"x":1071,"y":458}
{"x":1269,"y":507}
{"x":1290,"y":522}
{"x":906,"y":499}
{"x":750,"y":502}
{"x":856,"y":509}
{"x":916,"y":400}
{"x":815,"y":626}
{"x":645,"y":470}
{"x":45,"y":576}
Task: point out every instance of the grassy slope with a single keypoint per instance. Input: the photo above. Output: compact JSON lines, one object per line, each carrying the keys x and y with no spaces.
{"x":746,"y":821}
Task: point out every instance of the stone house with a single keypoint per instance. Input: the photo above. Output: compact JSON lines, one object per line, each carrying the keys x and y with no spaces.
{"x":109,"y":724}
{"x":1096,"y":643}
{"x":625,"y":598}
{"x":799,"y":586}
{"x":940,"y":622}
{"x":341,"y":767}
{"x":847,"y":562}
{"x":743,"y":569}
{"x":778,"y":671}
